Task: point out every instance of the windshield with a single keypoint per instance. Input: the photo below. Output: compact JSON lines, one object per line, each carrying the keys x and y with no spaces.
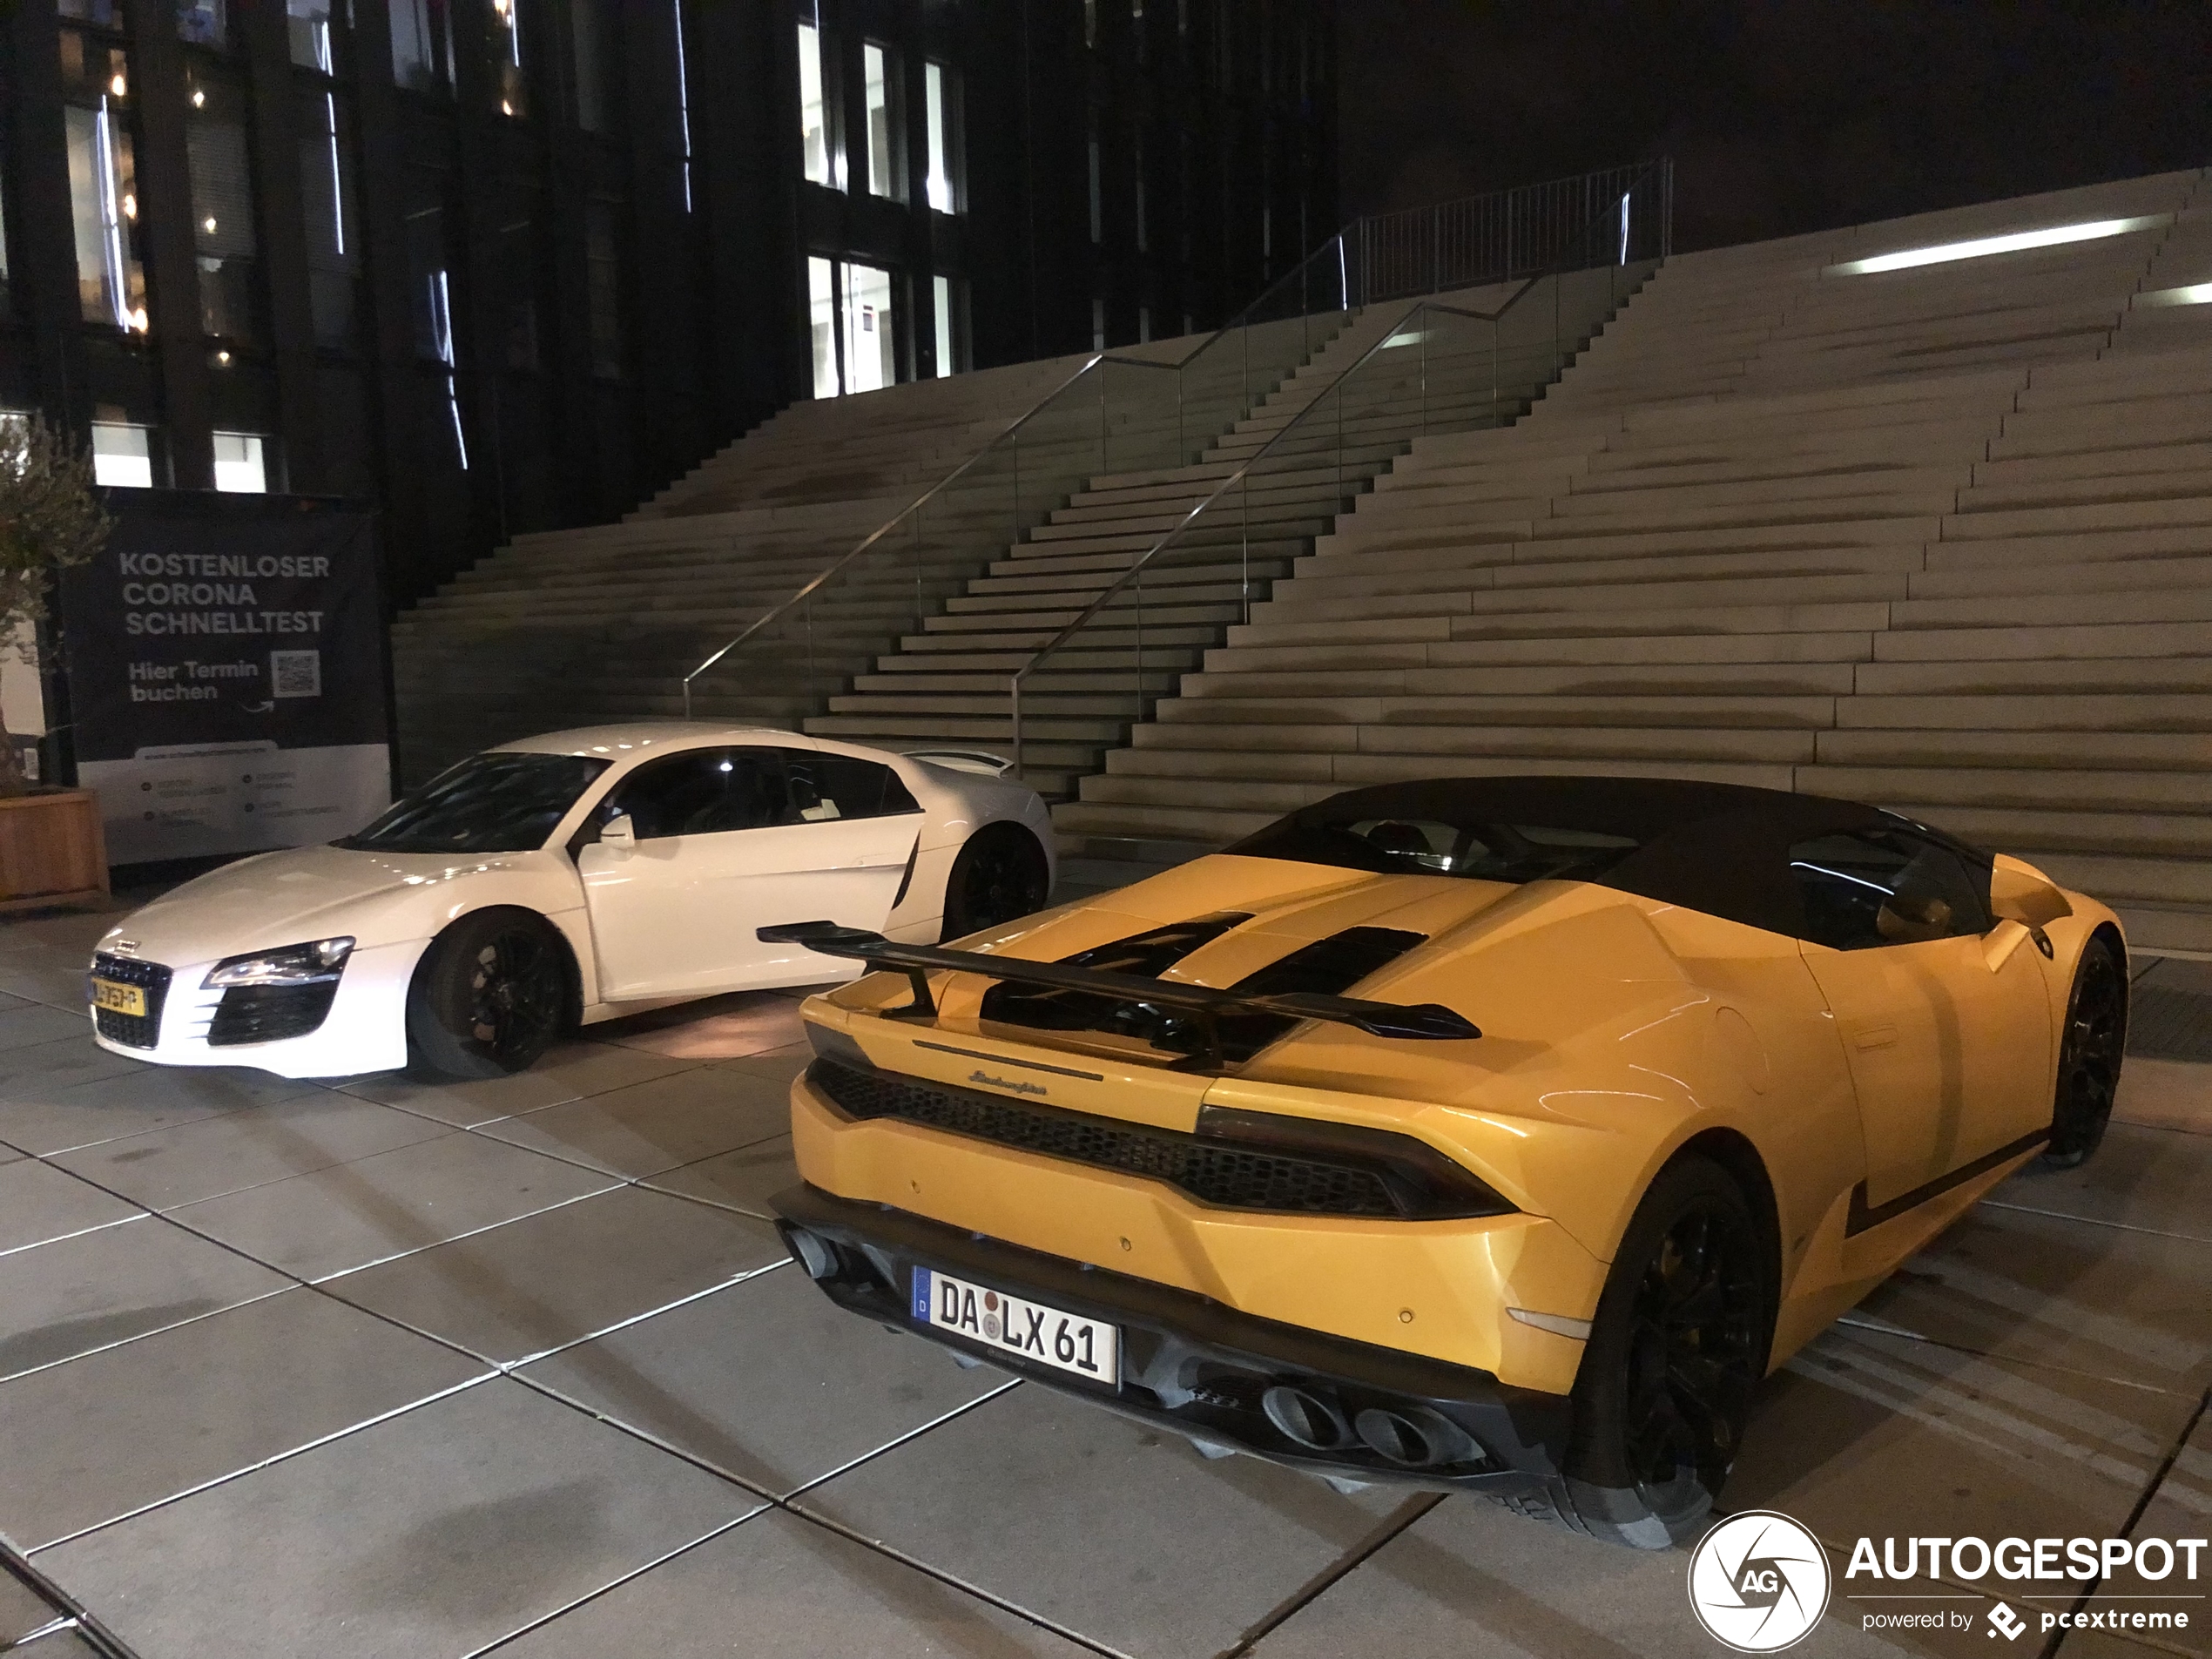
{"x":490,"y":803}
{"x":1477,"y":850}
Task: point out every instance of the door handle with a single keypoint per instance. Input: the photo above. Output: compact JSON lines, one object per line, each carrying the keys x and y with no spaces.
{"x":1873,"y":1036}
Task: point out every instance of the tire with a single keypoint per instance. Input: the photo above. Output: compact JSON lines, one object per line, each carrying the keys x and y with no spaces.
{"x":1000,"y":875}
{"x":489,"y":996}
{"x":1679,"y":1344}
{"x":2091,"y":1048}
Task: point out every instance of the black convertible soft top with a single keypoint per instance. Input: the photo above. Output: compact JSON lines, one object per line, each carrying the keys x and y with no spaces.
{"x":1721,"y":848}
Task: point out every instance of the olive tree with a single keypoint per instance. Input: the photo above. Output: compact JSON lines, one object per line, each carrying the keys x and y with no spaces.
{"x":49,"y":519}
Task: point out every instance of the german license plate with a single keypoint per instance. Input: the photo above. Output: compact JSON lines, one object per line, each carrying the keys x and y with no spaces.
{"x":1012,"y":1325}
{"x":119,"y":999}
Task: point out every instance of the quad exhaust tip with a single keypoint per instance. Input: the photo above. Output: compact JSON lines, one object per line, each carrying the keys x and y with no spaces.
{"x":1413,"y":1439}
{"x":1313,"y":1420}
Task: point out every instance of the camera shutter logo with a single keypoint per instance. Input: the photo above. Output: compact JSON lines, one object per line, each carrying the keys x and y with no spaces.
{"x":1759,"y":1582}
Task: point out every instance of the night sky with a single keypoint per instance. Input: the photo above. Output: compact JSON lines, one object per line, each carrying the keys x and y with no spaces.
{"x":1785,"y":116}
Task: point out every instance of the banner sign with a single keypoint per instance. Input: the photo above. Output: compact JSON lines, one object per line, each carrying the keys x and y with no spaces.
{"x":225,"y":671}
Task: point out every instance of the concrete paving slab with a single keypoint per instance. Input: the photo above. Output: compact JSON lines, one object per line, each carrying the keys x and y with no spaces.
{"x":78,"y":1294}
{"x":248,"y":1148}
{"x":559,"y":1275}
{"x":1102,"y":1525}
{"x":1469,"y":1577}
{"x":432,"y":1533}
{"x":571,"y":1071}
{"x":644,"y":1128}
{"x":784,"y":1586}
{"x":46,"y":978}
{"x":23,"y":1028}
{"x":769,"y":1381}
{"x":717,"y":1028}
{"x":778,"y":1065}
{"x":137,"y":1099}
{"x":40,"y":1071}
{"x":744,"y":1179}
{"x":2155,"y":1179}
{"x":340,"y":1219}
{"x":2181,"y":1507}
{"x":1844,"y":1438}
{"x":2165,"y":1094}
{"x":105,"y":1435}
{"x":2103,"y":1300}
{"x":38,"y":1202}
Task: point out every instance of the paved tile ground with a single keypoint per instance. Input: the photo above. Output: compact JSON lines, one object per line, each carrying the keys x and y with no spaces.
{"x":378,"y":1367}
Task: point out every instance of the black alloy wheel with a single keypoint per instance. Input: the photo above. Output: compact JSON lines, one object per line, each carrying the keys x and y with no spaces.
{"x":1678,"y":1346}
{"x":1000,"y":875}
{"x":1694,"y":1345}
{"x":2090,"y":1051}
{"x":490,"y":997}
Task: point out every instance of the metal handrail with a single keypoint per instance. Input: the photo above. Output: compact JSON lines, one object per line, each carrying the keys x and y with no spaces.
{"x":912,"y":507}
{"x":1222,"y":489}
{"x":1240,"y":323}
{"x":1243,"y":470}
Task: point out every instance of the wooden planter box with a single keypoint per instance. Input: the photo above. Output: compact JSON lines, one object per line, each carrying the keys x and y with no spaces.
{"x":51,"y":849}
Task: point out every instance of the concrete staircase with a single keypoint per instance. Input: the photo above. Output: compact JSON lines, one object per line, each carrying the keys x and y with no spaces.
{"x":1938,"y":537}
{"x":949,"y":682}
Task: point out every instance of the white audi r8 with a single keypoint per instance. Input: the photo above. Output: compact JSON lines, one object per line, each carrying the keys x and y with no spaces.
{"x":563,"y":880}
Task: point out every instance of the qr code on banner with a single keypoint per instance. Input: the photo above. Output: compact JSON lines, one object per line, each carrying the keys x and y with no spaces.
{"x":295,"y":673}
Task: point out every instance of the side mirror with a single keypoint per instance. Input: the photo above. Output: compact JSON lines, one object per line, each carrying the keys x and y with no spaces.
{"x":2021,"y":892}
{"x":2018,"y":892}
{"x":620,"y":833}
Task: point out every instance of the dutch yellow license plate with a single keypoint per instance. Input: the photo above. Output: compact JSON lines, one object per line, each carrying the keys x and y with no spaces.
{"x":119,"y":999}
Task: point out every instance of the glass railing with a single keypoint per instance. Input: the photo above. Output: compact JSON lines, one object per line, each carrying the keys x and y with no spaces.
{"x":1434,"y":367}
{"x":1128,"y":413}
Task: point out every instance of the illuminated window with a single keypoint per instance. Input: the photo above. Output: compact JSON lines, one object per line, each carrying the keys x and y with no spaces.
{"x":941,"y":100}
{"x":103,"y":185}
{"x":887,"y":150}
{"x":854,"y":326}
{"x":239,"y":468}
{"x":949,"y":297}
{"x":122,"y":458}
{"x":813,"y":109}
{"x":821,"y":302}
{"x":1982,"y":247}
{"x":871,"y":341}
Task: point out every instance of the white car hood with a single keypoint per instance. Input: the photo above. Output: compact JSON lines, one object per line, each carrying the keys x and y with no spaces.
{"x":302,"y":893}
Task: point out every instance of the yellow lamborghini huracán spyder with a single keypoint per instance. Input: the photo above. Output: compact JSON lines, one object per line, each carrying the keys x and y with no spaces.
{"x":1492,"y":1134}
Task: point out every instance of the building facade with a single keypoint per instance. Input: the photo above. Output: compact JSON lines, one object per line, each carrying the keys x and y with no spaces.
{"x":499,"y":265}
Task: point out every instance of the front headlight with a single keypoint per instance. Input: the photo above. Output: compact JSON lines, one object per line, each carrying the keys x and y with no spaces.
{"x":311,"y":964}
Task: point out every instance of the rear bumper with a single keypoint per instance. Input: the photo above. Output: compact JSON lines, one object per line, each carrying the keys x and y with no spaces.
{"x":1190,"y":1363}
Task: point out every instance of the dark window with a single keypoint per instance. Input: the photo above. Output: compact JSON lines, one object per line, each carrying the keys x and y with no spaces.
{"x":1887,"y":887}
{"x":222,"y":209}
{"x":602,"y":284}
{"x":332,"y":218}
{"x":490,"y":803}
{"x":704,"y":792}
{"x":825,"y":786}
{"x":1475,"y":850}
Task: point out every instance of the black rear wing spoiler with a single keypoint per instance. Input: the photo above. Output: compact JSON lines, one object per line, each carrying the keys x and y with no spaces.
{"x":1429,"y":1022}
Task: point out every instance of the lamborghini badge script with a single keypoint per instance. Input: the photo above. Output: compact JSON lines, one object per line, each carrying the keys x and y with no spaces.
{"x":980,"y":1077}
{"x":1758,"y":1582}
